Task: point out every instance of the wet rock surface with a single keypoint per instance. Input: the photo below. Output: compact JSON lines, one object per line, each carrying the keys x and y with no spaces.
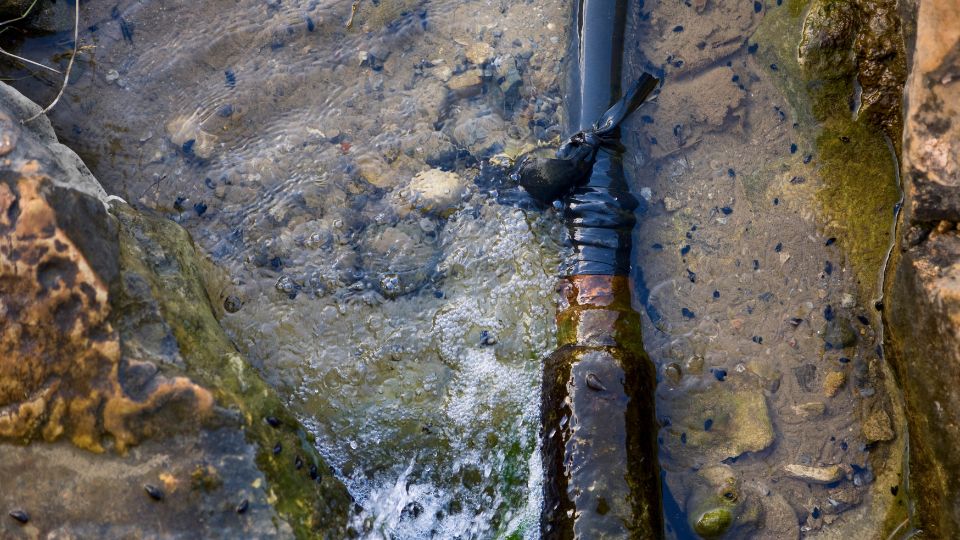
{"x":60,"y":359}
{"x":924,"y":305}
{"x":923,"y":318}
{"x":109,"y":342}
{"x":857,"y":39}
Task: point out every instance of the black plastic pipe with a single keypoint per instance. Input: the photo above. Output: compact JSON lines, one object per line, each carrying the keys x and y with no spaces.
{"x":602,"y":479}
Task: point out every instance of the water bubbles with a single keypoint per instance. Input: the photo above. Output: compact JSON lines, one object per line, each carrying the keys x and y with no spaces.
{"x":287,"y":286}
{"x":390,"y":284}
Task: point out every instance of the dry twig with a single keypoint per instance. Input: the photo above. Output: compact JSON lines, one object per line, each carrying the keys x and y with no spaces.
{"x":353,"y":12}
{"x":21,"y":17}
{"x":28,"y":61}
{"x":66,"y":76}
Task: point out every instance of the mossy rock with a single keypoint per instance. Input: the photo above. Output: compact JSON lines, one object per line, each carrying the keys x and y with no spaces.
{"x":826,"y":43}
{"x":821,"y":52}
{"x":161,"y":270}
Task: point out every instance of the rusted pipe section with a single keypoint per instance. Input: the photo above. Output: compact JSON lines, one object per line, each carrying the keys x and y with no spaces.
{"x":602,"y":479}
{"x":599,"y":433}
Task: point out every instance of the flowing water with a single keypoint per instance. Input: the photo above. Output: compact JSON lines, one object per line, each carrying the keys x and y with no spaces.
{"x":377,"y":278}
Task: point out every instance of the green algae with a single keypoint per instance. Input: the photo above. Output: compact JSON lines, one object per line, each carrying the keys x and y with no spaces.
{"x":714,"y":523}
{"x":852,"y":157}
{"x":859,"y":195}
{"x":162,"y":253}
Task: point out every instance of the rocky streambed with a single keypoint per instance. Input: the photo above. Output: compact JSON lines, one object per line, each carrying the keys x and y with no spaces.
{"x":316,"y":306}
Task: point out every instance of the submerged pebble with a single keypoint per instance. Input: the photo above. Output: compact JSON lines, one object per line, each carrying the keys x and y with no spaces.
{"x":479,"y":53}
{"x":672,"y":372}
{"x":838,"y":333}
{"x":815,"y":475}
{"x":833,"y":382}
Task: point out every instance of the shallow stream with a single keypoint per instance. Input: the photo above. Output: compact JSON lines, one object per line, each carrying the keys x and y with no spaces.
{"x":380,"y":280}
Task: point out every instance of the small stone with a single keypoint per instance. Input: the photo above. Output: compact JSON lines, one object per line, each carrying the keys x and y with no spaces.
{"x":838,"y":333}
{"x":112,"y":75}
{"x":694,"y":364}
{"x":646,"y":193}
{"x":479,"y":53}
{"x":833,"y":382}
{"x":435,"y":191}
{"x":815,"y":475}
{"x":443,"y":73}
{"x":848,"y":301}
{"x":9,"y":134}
{"x":671,"y":204}
{"x":286,"y":285}
{"x":378,"y":173}
{"x":466,"y":84}
{"x":811,"y":409}
{"x":877,"y":427}
{"x":511,"y":81}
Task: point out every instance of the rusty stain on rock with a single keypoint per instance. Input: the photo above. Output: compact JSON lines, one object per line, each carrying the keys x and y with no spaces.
{"x":59,"y":355}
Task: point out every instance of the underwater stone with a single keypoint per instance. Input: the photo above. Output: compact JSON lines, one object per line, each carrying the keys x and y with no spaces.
{"x":839,"y":333}
{"x":740,"y":423}
{"x":466,"y":84}
{"x":479,"y":53}
{"x":827,"y":40}
{"x":833,"y":382}
{"x":878,"y":427}
{"x":435,"y":192}
{"x":809,"y":410}
{"x":232,"y":304}
{"x":815,"y":475}
{"x":670,"y":204}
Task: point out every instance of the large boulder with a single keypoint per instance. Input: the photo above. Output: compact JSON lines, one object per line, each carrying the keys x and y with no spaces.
{"x":124,"y":408}
{"x":924,"y":306}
